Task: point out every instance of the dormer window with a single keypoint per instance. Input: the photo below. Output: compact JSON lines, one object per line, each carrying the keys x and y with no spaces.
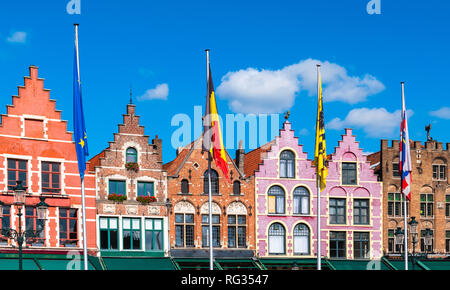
{"x":131,"y":155}
{"x":287,"y":164}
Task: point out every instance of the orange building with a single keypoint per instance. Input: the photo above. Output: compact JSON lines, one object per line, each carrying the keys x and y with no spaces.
{"x":36,"y":148}
{"x":232,"y":206}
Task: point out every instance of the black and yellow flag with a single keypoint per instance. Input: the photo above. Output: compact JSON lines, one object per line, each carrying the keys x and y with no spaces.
{"x":320,"y":155}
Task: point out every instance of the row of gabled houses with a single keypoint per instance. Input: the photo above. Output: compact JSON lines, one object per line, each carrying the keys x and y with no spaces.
{"x":138,"y":208}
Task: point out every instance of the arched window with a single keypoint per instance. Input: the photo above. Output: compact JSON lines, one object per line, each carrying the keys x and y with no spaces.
{"x":301,"y":240}
{"x":277,"y":237}
{"x":184,"y":186}
{"x":276,"y":199}
{"x":131,"y":155}
{"x":214,"y":182}
{"x":287,"y":164}
{"x":301,"y":200}
{"x":236,"y":188}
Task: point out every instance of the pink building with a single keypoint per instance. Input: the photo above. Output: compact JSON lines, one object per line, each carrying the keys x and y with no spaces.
{"x":286,"y":199}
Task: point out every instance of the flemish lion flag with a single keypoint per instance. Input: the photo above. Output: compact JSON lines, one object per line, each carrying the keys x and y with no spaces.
{"x":212,"y":129}
{"x":320,"y":155}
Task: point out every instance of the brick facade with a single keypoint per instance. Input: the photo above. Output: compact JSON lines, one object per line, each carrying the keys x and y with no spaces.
{"x":190,"y":165}
{"x":32,"y":134}
{"x":433,"y":213}
{"x":110,"y":171}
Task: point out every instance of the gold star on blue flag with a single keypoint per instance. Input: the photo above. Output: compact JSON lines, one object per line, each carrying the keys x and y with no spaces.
{"x":80,"y":136}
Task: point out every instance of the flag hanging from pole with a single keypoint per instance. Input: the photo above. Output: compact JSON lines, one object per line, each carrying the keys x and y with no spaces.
{"x":80,"y":135}
{"x":212,"y":128}
{"x":405,"y":152}
{"x":320,"y":155}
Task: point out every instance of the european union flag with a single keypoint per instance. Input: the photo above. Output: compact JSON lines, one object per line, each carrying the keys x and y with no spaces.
{"x":78,"y":116}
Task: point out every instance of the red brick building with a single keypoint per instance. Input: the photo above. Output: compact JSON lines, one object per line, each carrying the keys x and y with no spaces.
{"x":36,"y":147}
{"x":131,"y":167}
{"x":233,"y":206}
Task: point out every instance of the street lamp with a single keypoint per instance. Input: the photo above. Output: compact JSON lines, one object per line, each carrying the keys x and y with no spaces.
{"x":414,"y":233}
{"x":18,"y":235}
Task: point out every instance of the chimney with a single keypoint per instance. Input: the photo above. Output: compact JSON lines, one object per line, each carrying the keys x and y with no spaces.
{"x":157,"y":143}
{"x":240,"y":153}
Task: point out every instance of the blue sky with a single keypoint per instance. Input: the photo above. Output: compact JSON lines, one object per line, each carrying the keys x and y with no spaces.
{"x":263,"y":56}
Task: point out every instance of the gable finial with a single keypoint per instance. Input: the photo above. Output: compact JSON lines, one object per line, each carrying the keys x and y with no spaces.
{"x":286,"y":115}
{"x":428,"y":129}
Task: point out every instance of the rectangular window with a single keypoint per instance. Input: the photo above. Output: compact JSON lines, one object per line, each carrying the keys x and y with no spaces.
{"x":32,"y":223}
{"x":337,"y":211}
{"x":349,"y":173}
{"x":361,"y":245}
{"x":447,"y":205}
{"x":17,"y":170}
{"x":395,"y":205}
{"x":68,"y":227}
{"x":5,"y":224}
{"x":153,"y":234}
{"x":337,"y":245}
{"x":439,"y":172}
{"x":184,"y":230}
{"x":117,"y":187}
{"x":361,"y":211}
{"x":426,"y":205}
{"x":215,"y":230}
{"x":50,"y":174}
{"x":395,"y":170}
{"x":391,"y":241}
{"x":237,"y":231}
{"x":145,"y":189}
{"x":131,"y":231}
{"x":447,"y":241}
{"x":109,"y":233}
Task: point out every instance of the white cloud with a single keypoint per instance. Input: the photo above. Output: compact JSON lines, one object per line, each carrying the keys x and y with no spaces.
{"x":17,"y":37}
{"x":273,"y":91}
{"x":375,"y":122}
{"x":303,"y":132}
{"x":443,"y":113}
{"x":159,"y":93}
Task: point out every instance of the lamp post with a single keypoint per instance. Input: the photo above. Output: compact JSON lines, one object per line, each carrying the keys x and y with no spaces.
{"x":169,"y":207}
{"x":18,"y":235}
{"x":413,"y":230}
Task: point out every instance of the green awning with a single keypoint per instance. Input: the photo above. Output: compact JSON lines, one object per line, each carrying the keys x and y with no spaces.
{"x":281,"y":264}
{"x":358,"y":265}
{"x":13,"y":264}
{"x":400,"y":265}
{"x":238,"y":264}
{"x":195,"y":264}
{"x":436,"y":265}
{"x":138,"y":263}
{"x":64,"y":264}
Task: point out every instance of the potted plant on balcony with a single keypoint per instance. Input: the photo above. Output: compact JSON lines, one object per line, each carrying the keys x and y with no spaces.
{"x":117,"y":197}
{"x":132,"y":166}
{"x":146,"y":199}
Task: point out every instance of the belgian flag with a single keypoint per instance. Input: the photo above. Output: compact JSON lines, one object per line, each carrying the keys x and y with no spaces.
{"x":213,"y":140}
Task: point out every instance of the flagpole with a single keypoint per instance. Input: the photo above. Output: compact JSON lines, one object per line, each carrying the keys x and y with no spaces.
{"x":319,"y":258}
{"x":83,"y":205}
{"x":211,"y":253}
{"x":401,"y":188}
